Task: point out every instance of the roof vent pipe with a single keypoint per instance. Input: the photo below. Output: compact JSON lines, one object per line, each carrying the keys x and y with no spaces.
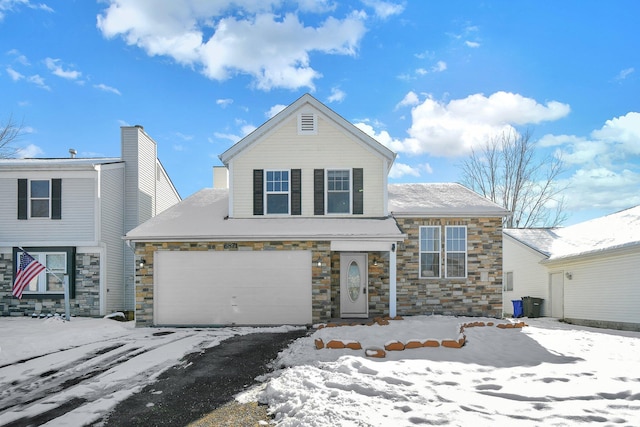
{"x":72,"y":153}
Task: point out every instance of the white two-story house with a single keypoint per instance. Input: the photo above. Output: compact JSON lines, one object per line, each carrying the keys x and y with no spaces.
{"x":301,"y":226}
{"x":71,"y":214}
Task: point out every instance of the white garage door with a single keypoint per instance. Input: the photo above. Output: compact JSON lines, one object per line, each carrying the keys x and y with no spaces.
{"x":239,"y":287}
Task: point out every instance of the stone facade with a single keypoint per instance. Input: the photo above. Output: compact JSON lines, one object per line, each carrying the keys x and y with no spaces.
{"x":85,"y":303}
{"x":479,"y":294}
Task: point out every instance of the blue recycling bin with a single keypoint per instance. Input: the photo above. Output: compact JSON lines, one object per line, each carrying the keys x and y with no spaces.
{"x":517,"y":308}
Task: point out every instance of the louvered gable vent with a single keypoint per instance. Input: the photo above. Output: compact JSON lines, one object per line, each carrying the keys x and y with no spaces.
{"x":307,"y":124}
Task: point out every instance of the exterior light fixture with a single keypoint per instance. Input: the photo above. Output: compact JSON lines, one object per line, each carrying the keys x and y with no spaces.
{"x":319,"y":263}
{"x":375,"y":262}
{"x":568,"y":275}
{"x":142,"y":262}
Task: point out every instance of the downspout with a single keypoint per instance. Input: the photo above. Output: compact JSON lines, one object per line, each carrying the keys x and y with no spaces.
{"x":392,"y":281}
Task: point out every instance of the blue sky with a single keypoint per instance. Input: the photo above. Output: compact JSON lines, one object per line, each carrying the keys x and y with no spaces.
{"x":430,"y":80}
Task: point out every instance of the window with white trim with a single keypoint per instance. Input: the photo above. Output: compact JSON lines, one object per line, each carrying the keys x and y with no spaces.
{"x":508,"y":281}
{"x":339,"y":191}
{"x":430,"y":251}
{"x":277,"y":191}
{"x":47,"y":282}
{"x":455,"y":251}
{"x":39,"y":198}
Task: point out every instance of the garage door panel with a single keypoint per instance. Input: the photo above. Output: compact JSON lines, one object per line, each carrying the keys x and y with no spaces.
{"x":243,"y":287}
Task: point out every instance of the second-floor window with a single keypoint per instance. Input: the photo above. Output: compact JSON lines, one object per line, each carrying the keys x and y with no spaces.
{"x":39,"y":198}
{"x":277,"y":191}
{"x":339,"y":191}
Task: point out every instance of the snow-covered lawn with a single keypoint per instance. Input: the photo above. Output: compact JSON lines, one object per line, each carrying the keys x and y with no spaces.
{"x":547,"y":373}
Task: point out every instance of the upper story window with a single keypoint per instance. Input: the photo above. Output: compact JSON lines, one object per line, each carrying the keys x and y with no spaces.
{"x":339,"y":191}
{"x":456,"y":251}
{"x":277,"y":191}
{"x":39,"y":198}
{"x":307,"y":124}
{"x":430,"y":251}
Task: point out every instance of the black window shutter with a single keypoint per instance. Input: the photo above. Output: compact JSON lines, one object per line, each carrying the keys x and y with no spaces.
{"x":358,"y":191}
{"x":56,"y":199}
{"x":318,"y":191}
{"x":296,"y":192}
{"x":22,"y":199}
{"x":258,"y":189}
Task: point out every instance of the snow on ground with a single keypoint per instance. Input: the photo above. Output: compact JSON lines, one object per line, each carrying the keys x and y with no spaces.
{"x":548,"y":373}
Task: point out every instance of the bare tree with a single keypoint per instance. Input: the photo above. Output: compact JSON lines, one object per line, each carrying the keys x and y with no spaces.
{"x":507,"y":171}
{"x":10,"y":131}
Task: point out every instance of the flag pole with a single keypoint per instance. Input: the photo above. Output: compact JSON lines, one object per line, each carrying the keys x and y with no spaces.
{"x":65,"y":285}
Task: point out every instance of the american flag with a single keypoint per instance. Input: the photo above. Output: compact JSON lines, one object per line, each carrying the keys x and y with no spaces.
{"x":29,"y":268}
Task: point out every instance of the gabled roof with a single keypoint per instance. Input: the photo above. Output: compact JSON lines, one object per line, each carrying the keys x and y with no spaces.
{"x":617,"y":231}
{"x":204,"y":216}
{"x":293,"y":109}
{"x":57,"y":163}
{"x":440,"y":199}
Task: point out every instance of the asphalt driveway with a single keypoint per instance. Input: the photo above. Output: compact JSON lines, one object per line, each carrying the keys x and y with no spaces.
{"x":207,"y":380}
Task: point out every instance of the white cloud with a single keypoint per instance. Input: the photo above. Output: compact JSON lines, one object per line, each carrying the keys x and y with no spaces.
{"x":29,"y":151}
{"x":106,"y":88}
{"x":275,"y":110}
{"x":15,"y":76}
{"x":439,"y":67}
{"x":452,"y":129}
{"x":224,"y":103}
{"x":384,"y":9}
{"x":337,"y":95}
{"x":184,"y":137}
{"x":37,"y":80}
{"x":623,"y":130}
{"x":261,"y":39}
{"x":398,"y":170}
{"x":472,"y":44}
{"x":12,"y":6}
{"x":623,"y":74}
{"x":410,"y":98}
{"x":600,"y":187}
{"x":54,"y":66}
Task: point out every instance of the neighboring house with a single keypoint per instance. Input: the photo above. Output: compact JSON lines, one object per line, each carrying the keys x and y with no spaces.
{"x":71,"y":214}
{"x":586,"y":273}
{"x":302,"y":227}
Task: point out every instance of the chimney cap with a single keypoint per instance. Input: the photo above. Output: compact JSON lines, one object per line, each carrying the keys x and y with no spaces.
{"x":72,"y":153}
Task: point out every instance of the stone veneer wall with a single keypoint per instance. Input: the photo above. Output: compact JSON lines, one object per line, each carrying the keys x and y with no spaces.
{"x":320,"y":276}
{"x":86,"y":302}
{"x":479,"y":294}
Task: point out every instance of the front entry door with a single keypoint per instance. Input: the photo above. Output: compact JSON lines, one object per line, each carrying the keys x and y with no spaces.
{"x":354,"y":301}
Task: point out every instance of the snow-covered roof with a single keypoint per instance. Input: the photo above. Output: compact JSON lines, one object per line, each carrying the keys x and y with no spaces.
{"x":538,"y":239}
{"x":57,"y":163}
{"x":440,"y":199}
{"x":204,"y":215}
{"x":619,"y":230}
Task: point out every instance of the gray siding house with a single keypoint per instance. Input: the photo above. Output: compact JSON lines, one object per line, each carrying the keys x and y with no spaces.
{"x":71,"y":214}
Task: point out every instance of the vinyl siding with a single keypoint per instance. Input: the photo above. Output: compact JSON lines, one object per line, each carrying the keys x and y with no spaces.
{"x":604,"y":289}
{"x":166,"y":195}
{"x":78,"y":213}
{"x":330,"y":148}
{"x":530,"y":278}
{"x":112,"y":213}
